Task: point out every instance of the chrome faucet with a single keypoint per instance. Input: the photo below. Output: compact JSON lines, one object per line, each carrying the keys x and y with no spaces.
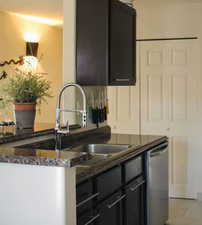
{"x":83,"y":112}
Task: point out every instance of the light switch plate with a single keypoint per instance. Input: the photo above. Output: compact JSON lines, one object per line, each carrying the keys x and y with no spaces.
{"x":199,"y":196}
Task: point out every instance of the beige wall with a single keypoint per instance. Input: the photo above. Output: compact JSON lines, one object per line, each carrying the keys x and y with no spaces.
{"x":12,"y":45}
{"x":69,"y":57}
{"x":168,"y":19}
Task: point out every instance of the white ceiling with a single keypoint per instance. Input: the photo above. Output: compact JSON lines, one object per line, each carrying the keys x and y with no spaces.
{"x":51,"y":9}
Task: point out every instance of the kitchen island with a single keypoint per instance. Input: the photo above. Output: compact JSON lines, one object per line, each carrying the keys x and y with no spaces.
{"x":41,"y":186}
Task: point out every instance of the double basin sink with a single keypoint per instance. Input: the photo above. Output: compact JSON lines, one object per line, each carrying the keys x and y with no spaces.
{"x":92,"y":149}
{"x":101,"y":149}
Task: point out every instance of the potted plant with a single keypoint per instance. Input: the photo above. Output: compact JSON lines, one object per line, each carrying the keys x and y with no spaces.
{"x":25,"y":90}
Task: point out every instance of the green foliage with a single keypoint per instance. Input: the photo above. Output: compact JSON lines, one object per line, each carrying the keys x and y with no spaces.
{"x":27,"y":88}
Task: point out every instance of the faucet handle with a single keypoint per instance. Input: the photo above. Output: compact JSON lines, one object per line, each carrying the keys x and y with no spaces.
{"x":63,"y":130}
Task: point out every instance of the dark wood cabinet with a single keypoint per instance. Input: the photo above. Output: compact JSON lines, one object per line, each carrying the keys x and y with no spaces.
{"x":114,"y":197}
{"x":133,"y":168}
{"x":108,"y":182}
{"x":111,"y":210}
{"x":105,"y":43}
{"x":85,"y":198}
{"x":135,"y":203}
{"x":89,"y":218}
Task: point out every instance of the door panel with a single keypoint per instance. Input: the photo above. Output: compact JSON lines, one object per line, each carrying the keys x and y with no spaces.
{"x":154,"y":80}
{"x":155,"y":95}
{"x":124,"y":109}
{"x":170,"y":93}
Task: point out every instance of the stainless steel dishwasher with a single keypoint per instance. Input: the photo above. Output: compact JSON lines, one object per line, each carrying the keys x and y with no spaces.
{"x":157,"y":186}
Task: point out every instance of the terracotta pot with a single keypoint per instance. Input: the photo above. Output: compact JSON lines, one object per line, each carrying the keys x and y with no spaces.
{"x":25,"y":115}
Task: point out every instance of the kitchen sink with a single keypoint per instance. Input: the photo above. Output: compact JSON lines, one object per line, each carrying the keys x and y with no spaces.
{"x":101,"y":149}
{"x":64,"y":145}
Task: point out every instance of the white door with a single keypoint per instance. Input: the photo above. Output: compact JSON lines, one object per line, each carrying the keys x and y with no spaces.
{"x":170,"y":100}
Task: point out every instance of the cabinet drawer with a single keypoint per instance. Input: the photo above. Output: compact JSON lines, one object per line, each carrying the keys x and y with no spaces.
{"x":111,"y":210}
{"x":84,"y":191}
{"x":133,"y":168}
{"x":84,"y":197}
{"x":89,"y":218}
{"x":108,"y":182}
{"x":135,"y":202}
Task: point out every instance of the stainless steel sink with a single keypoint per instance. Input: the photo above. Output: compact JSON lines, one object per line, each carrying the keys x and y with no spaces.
{"x":101,"y":149}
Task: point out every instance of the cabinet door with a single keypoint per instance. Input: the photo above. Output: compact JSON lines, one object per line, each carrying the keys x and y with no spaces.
{"x":133,"y":168}
{"x":108,"y":182}
{"x":122,"y":44}
{"x":111,"y":211}
{"x":135,"y":204}
{"x":92,"y":42}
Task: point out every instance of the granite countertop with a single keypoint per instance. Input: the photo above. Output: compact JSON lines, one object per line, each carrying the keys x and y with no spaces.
{"x":86,"y":164}
{"x":42,"y":157}
{"x":138,"y":144}
{"x":9,"y":153}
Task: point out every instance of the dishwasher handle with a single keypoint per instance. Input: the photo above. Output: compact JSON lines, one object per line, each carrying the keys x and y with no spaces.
{"x":159,"y":150}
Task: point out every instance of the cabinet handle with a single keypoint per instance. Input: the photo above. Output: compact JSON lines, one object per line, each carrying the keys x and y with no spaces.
{"x":155,"y":154}
{"x":93,"y":219}
{"x":116,"y":202}
{"x":137,"y":186}
{"x":159,"y":150}
{"x":118,"y":79}
{"x":87,"y":200}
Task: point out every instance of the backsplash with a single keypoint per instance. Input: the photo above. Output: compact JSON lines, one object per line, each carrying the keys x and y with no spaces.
{"x":97,"y":105}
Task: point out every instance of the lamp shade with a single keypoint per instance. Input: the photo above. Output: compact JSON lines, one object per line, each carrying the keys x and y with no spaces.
{"x":32,"y":48}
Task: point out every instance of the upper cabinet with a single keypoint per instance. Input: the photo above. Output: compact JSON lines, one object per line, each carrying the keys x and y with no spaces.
{"x":105,"y":43}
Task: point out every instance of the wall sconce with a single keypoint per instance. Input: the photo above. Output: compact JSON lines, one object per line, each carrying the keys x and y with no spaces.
{"x":30,"y":59}
{"x":32,"y":45}
{"x":32,"y":48}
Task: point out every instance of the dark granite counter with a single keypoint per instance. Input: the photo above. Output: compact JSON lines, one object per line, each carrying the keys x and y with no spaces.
{"x":10,"y":153}
{"x":42,"y":157}
{"x":87,"y":165}
{"x":98,"y":164}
